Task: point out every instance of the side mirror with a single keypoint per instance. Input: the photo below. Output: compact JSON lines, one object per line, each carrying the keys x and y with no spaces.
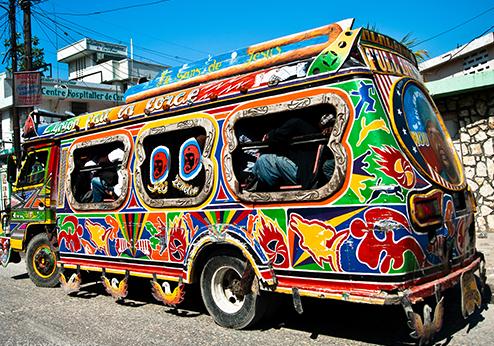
{"x":11,"y":170}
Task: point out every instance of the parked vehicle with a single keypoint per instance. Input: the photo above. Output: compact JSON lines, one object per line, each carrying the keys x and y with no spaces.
{"x":167,"y":185}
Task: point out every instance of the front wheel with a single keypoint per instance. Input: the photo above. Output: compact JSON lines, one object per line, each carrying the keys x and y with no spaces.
{"x":41,"y":262}
{"x":219,"y":278}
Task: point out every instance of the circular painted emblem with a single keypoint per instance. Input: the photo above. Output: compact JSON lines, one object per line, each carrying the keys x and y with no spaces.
{"x":423,"y":134}
{"x":159,"y":164}
{"x":190,"y":159}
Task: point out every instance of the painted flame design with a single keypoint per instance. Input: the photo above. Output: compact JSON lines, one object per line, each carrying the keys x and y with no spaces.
{"x":178,"y":241}
{"x":320,"y":240}
{"x":394,"y":164}
{"x":272,"y":239}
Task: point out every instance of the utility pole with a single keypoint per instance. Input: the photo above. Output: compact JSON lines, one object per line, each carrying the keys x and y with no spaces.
{"x":28,"y":49}
{"x":13,"y":55}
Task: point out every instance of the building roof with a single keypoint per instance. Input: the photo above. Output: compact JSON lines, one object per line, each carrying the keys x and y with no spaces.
{"x":458,"y":53}
{"x":80,"y":48}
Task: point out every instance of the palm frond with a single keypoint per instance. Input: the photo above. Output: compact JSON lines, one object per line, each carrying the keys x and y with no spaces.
{"x":409,"y":41}
{"x":372,"y":27}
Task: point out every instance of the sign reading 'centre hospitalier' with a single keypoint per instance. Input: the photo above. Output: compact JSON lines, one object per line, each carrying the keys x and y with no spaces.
{"x":80,"y":94}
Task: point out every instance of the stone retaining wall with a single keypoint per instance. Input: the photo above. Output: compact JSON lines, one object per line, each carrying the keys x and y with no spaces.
{"x":471,"y":116}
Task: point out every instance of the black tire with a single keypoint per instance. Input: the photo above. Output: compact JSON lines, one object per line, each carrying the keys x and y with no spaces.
{"x":41,"y":262}
{"x":226,"y":309}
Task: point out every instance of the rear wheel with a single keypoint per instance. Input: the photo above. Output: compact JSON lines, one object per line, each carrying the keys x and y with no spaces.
{"x":229,"y":308}
{"x":41,"y":262}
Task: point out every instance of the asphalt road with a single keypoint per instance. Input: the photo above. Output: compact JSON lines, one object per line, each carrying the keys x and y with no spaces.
{"x":30,"y":315}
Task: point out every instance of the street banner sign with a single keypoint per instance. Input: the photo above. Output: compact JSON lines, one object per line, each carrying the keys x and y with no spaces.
{"x":27,"y":89}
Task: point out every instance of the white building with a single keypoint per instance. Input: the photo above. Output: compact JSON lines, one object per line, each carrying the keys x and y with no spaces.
{"x":58,"y":96}
{"x":472,"y":58}
{"x":99,"y":74}
{"x":103,"y":62}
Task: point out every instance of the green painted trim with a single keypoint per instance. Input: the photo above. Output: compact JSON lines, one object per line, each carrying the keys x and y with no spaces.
{"x":459,"y":84}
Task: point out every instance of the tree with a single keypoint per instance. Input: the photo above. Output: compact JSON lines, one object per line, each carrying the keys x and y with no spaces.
{"x":38,"y":54}
{"x":409,"y":41}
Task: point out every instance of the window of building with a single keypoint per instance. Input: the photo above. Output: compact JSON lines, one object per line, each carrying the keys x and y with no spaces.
{"x":80,"y":66}
{"x":34,"y":169}
{"x":306,"y":131}
{"x":174,"y":166}
{"x":79,"y":108}
{"x":98,"y":173}
{"x":476,"y":62}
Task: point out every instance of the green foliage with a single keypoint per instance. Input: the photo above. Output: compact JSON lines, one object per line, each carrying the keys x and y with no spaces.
{"x":38,"y":54}
{"x":371,"y":27}
{"x":409,"y":41}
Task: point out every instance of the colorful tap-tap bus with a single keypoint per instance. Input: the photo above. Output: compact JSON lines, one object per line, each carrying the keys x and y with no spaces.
{"x":392,"y":223}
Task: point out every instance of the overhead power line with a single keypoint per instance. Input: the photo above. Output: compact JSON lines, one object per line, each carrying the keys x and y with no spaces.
{"x":113,"y":24}
{"x":75,"y":31}
{"x":69,"y":42}
{"x":473,"y":39}
{"x":453,"y":28}
{"x":46,"y":34}
{"x":89,"y":56}
{"x":71,"y":26}
{"x":110,"y":10}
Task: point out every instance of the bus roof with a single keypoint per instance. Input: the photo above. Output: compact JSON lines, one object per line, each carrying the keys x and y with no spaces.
{"x":280,"y":50}
{"x":182,"y":79}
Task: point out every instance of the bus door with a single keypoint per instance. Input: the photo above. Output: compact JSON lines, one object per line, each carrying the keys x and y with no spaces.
{"x":7,"y":178}
{"x":30,"y":203}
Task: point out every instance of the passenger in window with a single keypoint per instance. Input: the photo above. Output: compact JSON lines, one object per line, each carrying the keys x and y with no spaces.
{"x":247,"y":157}
{"x":81,"y":179}
{"x":327,"y":124}
{"x":289,"y":164}
{"x":107,"y":181}
{"x":37,"y":171}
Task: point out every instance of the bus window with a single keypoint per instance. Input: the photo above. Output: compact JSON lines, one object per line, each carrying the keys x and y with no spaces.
{"x":33,"y":170}
{"x":282,"y":149}
{"x":175,"y":166}
{"x":99,"y":175}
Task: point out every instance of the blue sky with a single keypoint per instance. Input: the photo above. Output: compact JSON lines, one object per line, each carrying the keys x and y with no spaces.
{"x":178,"y":31}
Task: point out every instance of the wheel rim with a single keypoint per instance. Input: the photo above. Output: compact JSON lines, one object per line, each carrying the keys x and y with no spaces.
{"x":44,"y":261}
{"x":222,"y":290}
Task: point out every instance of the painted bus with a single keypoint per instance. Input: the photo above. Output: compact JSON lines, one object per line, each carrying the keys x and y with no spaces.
{"x":393,"y":222}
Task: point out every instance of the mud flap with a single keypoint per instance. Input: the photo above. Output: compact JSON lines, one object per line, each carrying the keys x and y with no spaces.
{"x":297,"y":302}
{"x":5,"y":251}
{"x":470,"y":295}
{"x":73,"y":284}
{"x":426,"y":327}
{"x":482,"y":273}
{"x":117,"y":289}
{"x":164,"y":294}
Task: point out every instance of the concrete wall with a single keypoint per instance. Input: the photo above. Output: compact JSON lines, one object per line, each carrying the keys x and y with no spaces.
{"x":472,"y":113}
